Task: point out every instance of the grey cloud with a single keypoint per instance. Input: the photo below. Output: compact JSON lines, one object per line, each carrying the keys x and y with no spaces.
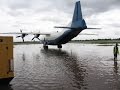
{"x":51,"y":19}
{"x":89,"y":7}
{"x":19,"y":7}
{"x":40,"y":9}
{"x":100,"y":6}
{"x":117,"y":25}
{"x":18,"y":4}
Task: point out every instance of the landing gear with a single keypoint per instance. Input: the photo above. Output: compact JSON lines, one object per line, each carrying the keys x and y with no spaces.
{"x":59,"y":46}
{"x":45,"y":47}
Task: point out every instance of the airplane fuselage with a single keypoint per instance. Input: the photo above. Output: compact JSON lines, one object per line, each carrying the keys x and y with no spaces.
{"x":77,"y":25}
{"x":62,"y":37}
{"x":58,"y":38}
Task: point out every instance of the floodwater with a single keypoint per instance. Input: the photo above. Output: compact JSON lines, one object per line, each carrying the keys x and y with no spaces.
{"x":74,"y":67}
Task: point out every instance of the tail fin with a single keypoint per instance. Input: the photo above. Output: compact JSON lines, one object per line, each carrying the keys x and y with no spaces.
{"x":77,"y":21}
{"x":77,"y":12}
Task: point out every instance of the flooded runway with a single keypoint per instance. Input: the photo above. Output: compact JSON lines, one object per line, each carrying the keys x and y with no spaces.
{"x":75,"y":67}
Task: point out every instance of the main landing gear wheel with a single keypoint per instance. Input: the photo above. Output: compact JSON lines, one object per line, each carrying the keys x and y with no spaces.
{"x":59,"y":46}
{"x":45,"y":47}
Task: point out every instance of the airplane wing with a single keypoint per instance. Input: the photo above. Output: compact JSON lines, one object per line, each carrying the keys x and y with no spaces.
{"x":24,"y":34}
{"x":87,"y":34}
{"x":39,"y":33}
{"x":14,"y":33}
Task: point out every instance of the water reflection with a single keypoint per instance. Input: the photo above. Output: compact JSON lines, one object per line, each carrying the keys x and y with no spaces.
{"x":75,"y":71}
{"x":23,"y":57}
{"x":5,"y":87}
{"x":67,"y":69}
{"x":116,"y":76}
{"x":115,"y":66}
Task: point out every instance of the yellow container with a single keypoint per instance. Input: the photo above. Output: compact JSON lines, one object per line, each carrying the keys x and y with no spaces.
{"x":6,"y":59}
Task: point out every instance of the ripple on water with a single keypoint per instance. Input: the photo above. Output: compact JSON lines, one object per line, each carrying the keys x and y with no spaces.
{"x":75,"y":67}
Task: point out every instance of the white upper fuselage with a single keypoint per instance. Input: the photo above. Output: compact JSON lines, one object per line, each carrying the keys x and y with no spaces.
{"x":52,"y":35}
{"x":62,"y":37}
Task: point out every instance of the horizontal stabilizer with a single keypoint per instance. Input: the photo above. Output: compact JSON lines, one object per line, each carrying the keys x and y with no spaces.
{"x":64,"y":27}
{"x":67,"y":27}
{"x":93,"y":28}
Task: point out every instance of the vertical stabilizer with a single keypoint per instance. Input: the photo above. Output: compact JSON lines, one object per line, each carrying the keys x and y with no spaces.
{"x":77,"y":12}
{"x":77,"y":21}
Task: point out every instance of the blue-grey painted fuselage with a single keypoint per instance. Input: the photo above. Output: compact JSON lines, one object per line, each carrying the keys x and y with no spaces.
{"x":77,"y":25}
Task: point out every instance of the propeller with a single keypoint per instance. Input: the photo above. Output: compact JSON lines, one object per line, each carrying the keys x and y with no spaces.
{"x":36,"y":36}
{"x":22,"y":35}
{"x":21,"y":30}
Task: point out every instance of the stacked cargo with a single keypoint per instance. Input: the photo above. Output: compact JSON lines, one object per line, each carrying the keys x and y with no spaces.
{"x":6,"y":59}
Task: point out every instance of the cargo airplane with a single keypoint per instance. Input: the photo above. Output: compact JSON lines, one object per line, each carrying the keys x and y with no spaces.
{"x":77,"y":25}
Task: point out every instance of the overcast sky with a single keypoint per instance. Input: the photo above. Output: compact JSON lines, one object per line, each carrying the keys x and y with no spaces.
{"x":43,"y":15}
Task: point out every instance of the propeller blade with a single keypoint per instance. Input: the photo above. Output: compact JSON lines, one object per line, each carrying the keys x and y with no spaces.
{"x":21,"y":30}
{"x":38,"y":39}
{"x":23,"y":39}
{"x":33,"y":38}
{"x":18,"y":36}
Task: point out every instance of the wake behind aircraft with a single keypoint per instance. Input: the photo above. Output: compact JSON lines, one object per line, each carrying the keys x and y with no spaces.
{"x":77,"y":25}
